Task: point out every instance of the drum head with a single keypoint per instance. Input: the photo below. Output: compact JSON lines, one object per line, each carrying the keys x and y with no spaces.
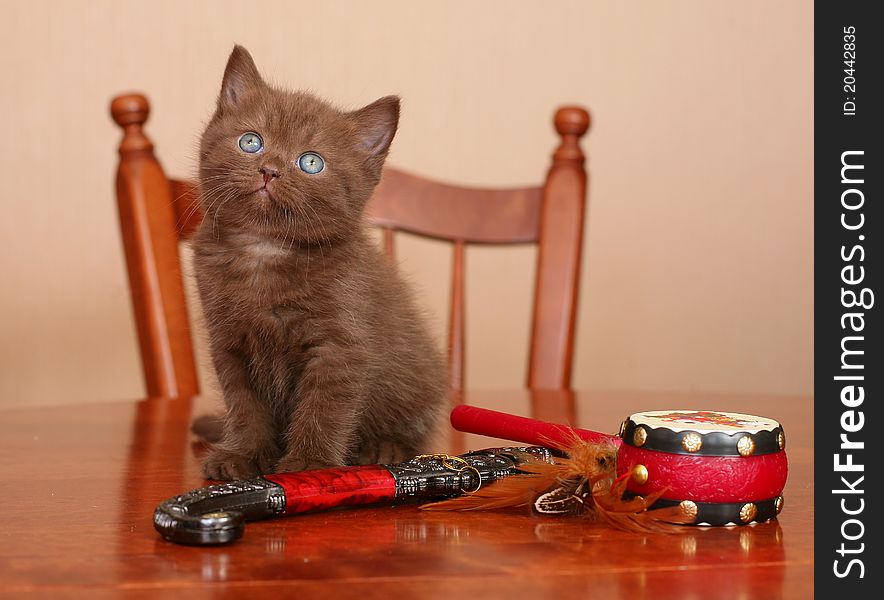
{"x":703,"y":433}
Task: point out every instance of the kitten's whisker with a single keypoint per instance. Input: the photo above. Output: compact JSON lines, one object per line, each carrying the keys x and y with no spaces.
{"x":288,"y":227}
{"x":295,"y":232}
{"x":227,"y":199}
{"x":324,"y":235}
{"x":191,"y":210}
{"x":307,"y":224}
{"x":204,"y":194}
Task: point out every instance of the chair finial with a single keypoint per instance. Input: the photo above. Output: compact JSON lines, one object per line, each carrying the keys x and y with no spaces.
{"x":571,"y":123}
{"x":571,"y":120}
{"x":130,"y":111}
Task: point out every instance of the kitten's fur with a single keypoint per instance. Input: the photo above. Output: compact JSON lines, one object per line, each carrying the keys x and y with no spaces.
{"x":321,"y":354}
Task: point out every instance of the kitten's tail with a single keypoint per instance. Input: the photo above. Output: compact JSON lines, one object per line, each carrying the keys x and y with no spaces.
{"x":208,"y":427}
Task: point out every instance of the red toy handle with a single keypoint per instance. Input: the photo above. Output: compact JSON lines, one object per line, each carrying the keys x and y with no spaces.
{"x":330,"y":488}
{"x":472,"y":419}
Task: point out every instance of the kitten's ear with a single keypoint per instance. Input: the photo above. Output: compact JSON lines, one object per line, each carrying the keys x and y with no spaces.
{"x":240,"y":78}
{"x":376,"y":125}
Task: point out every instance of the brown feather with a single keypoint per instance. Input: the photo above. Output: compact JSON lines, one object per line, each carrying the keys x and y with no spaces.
{"x":585,"y":458}
{"x":633,"y":514}
{"x":588,"y":474}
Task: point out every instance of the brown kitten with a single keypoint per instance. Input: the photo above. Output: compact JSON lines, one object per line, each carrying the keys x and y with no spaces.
{"x":322,"y":356}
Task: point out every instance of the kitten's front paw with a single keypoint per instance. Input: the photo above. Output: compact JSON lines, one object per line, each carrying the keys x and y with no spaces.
{"x":226,"y":465}
{"x":384,"y":452}
{"x":290,"y":464}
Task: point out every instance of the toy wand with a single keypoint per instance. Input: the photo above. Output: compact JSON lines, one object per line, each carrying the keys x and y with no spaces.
{"x":721,"y":468}
{"x":216,"y":514}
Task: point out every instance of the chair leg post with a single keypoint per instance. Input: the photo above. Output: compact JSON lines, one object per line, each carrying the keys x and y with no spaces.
{"x":559,"y":256}
{"x":456,"y":324}
{"x":148,"y":223}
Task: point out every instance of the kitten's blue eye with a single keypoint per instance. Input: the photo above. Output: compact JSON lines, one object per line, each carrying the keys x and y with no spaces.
{"x":250,"y":142}
{"x":311,"y":163}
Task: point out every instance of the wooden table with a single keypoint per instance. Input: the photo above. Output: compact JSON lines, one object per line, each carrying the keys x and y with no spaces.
{"x":79,"y":485}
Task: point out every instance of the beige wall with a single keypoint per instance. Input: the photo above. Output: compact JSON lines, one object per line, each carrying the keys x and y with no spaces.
{"x":698,"y":261}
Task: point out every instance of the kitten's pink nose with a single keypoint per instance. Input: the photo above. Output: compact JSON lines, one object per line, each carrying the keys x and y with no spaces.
{"x":269,"y":174}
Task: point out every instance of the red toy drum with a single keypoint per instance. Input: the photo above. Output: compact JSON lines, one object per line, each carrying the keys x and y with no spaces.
{"x":725,"y":468}
{"x":722,"y":468}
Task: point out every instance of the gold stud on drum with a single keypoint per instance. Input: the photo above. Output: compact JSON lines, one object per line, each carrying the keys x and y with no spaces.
{"x":640,"y":436}
{"x":640,"y":474}
{"x":688,"y":508}
{"x":692,"y":442}
{"x":779,"y":504}
{"x":748,"y":512}
{"x":781,"y":440}
{"x":746,"y":446}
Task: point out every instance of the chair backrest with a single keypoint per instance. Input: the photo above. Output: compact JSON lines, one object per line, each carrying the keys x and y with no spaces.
{"x":157,"y":212}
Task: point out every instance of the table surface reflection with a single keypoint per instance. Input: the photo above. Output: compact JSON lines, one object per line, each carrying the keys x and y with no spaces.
{"x":81,"y":483}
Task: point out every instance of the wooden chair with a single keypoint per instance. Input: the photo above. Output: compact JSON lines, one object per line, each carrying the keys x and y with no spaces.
{"x":157,"y":212}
